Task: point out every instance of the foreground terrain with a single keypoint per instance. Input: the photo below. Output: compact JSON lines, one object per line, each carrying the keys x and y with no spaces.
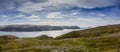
{"x":99,"y":39}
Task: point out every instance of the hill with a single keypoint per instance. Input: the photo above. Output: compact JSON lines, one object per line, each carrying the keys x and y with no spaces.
{"x":92,"y":32}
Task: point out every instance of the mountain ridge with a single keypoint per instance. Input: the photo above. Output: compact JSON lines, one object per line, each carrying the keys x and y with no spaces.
{"x":27,"y":28}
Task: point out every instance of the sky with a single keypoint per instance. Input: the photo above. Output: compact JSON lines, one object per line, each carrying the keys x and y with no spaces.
{"x":84,"y":13}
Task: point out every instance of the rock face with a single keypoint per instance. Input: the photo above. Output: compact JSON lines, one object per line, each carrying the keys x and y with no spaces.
{"x":35,"y":27}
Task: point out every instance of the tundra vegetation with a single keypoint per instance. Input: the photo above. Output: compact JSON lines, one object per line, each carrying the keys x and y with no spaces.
{"x":99,"y":39}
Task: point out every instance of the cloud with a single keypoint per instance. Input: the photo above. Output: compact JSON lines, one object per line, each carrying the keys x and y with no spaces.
{"x":58,"y":23}
{"x":24,"y":18}
{"x":33,"y":18}
{"x":104,"y":22}
{"x":65,"y":4}
{"x":88,"y":19}
{"x":55,"y":15}
{"x":91,"y":13}
{"x":115,"y":11}
{"x":3,"y":16}
{"x":74,"y":13}
{"x":53,"y":23}
{"x":96,"y":22}
{"x":100,"y":14}
{"x":86,"y":3}
{"x":55,"y":12}
{"x":38,"y":1}
{"x":30,"y":7}
{"x":20,"y":16}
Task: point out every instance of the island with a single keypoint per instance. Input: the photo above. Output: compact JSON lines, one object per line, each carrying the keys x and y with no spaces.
{"x":27,"y":28}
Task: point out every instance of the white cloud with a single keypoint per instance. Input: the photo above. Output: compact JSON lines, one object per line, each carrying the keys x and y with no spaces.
{"x":33,"y":18}
{"x":58,"y":23}
{"x":84,"y":3}
{"x":53,"y":23}
{"x":100,"y":14}
{"x":88,"y":19}
{"x":74,"y":13}
{"x":55,"y":15}
{"x":20,"y":16}
{"x":83,"y":23}
{"x":92,"y":13}
{"x":104,"y":22}
{"x":4,"y":16}
{"x":61,"y":4}
{"x":30,"y":7}
{"x":57,"y":5}
{"x":93,"y":22}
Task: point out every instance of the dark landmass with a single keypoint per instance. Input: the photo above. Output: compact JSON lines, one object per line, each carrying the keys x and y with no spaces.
{"x":28,"y":28}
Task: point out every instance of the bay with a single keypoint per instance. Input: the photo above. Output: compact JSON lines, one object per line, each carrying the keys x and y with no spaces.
{"x":54,"y":33}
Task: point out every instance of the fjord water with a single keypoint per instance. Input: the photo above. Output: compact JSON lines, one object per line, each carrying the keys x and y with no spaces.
{"x":54,"y":33}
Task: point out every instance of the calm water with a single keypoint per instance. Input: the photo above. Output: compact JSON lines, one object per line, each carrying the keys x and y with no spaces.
{"x":34,"y":34}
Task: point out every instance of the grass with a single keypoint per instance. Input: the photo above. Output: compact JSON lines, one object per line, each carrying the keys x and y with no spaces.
{"x":102,"y":44}
{"x":99,"y":39}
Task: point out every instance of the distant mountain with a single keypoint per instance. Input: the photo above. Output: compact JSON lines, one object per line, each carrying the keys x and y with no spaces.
{"x":34,"y":27}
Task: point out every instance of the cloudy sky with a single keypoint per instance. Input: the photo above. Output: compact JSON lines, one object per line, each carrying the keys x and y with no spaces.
{"x":84,"y":13}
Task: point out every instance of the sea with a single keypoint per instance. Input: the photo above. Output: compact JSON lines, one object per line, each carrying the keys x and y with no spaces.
{"x":53,"y":33}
